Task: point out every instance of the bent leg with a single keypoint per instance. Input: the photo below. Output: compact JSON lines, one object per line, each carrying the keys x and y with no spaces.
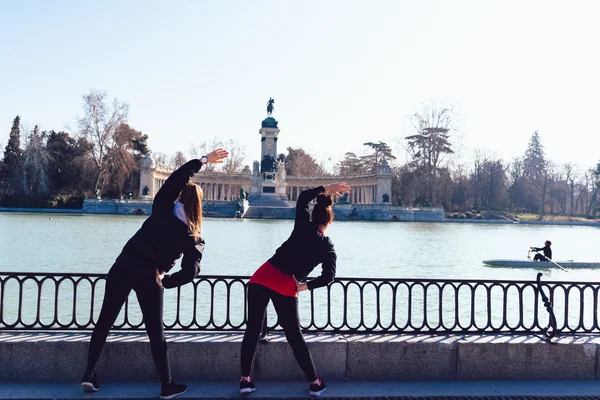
{"x":287,"y":312}
{"x":258,"y":299}
{"x":115,"y":294}
{"x":150,"y":296}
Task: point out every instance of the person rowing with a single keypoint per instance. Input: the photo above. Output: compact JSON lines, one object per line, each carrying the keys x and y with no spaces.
{"x":546,"y":249}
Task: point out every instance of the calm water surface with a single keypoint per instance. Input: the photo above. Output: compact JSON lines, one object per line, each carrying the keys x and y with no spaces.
{"x":69,"y":243}
{"x":66,"y":243}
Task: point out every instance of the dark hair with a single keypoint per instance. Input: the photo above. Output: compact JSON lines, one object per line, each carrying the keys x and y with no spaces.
{"x":322,"y":213}
{"x":548,"y":243}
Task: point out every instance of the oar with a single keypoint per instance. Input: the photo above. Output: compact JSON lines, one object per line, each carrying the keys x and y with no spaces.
{"x":549,"y":259}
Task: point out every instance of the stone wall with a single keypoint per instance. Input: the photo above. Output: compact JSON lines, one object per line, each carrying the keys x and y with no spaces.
{"x":61,"y":357}
{"x":381,"y":212}
{"x":211,"y":208}
{"x":133,"y":207}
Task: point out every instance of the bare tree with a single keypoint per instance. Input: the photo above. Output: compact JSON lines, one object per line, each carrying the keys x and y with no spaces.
{"x":431,"y":142}
{"x":571,"y":174}
{"x":178,"y":160}
{"x":162,"y":161}
{"x":98,"y":125}
{"x":234,"y":163}
{"x":203,"y":148}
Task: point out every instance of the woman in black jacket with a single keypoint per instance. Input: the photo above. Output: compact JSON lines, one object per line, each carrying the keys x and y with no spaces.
{"x":173,"y":230}
{"x":278,"y":280}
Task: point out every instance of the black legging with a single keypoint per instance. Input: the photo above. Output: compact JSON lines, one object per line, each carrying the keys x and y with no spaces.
{"x":539,"y":257}
{"x":121,"y":279}
{"x":287,"y":312}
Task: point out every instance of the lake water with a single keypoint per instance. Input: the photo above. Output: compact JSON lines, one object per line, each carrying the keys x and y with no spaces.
{"x":84,"y":243}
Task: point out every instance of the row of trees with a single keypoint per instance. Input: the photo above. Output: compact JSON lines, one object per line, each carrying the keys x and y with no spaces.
{"x":103,"y":155}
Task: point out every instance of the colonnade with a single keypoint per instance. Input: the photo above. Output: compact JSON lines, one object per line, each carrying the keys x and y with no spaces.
{"x":221,"y":191}
{"x":158,"y":182}
{"x":359,"y":194}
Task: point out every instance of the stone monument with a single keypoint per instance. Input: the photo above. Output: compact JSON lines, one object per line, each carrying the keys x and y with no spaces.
{"x":268,"y":182}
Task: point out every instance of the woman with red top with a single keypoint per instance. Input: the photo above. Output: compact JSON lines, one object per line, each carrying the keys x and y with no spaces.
{"x":279,"y":280}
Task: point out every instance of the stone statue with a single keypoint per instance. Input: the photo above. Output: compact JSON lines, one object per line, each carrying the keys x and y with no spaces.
{"x":267,"y":164}
{"x":281,"y":174}
{"x":243,"y":195}
{"x":270,"y":107}
{"x":145,"y":191}
{"x":256,"y":168}
{"x":386,"y":198}
{"x":343,"y":199}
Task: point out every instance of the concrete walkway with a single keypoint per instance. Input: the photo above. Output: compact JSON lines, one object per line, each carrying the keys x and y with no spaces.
{"x":347,"y":389}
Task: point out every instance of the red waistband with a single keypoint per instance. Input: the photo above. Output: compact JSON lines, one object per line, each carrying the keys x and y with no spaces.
{"x":269,"y":276}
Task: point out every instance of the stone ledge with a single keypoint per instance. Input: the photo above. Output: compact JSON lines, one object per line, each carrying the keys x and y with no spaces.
{"x":60,"y":357}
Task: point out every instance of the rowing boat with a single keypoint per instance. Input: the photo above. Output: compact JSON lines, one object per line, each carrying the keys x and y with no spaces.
{"x":540,"y":264}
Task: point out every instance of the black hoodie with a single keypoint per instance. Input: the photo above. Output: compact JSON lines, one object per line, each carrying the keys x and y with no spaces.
{"x":306,"y":247}
{"x":163,"y":237}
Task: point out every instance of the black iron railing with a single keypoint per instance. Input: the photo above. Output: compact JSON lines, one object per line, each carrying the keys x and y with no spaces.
{"x":59,"y":301}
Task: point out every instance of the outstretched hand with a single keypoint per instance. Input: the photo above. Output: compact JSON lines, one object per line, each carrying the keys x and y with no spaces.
{"x":338,"y":188}
{"x":300,"y":286}
{"x":217,"y":156}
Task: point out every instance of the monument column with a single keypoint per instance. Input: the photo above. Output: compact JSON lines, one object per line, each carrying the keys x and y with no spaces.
{"x":268,"y":177}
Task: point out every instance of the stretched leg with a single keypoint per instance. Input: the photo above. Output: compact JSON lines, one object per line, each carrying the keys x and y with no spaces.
{"x":150,"y":297}
{"x":258,"y":299}
{"x":287,"y":312}
{"x":115,"y":294}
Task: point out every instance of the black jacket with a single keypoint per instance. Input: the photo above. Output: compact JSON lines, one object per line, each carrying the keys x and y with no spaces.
{"x":546,"y":249}
{"x":163,"y":237}
{"x":306,"y":247}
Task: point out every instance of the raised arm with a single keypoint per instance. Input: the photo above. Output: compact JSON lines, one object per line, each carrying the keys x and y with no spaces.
{"x":174,"y":184}
{"x":302,"y":214}
{"x":168,"y":193}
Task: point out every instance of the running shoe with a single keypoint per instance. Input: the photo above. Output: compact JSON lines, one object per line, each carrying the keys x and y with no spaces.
{"x":247,"y":386}
{"x":89,"y":383}
{"x":317,"y":388}
{"x":171,"y":390}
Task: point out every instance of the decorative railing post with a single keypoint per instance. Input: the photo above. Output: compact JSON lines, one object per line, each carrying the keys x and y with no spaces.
{"x":551,"y":330}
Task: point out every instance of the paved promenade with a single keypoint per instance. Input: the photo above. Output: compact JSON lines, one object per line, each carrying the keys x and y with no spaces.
{"x":336,"y":389}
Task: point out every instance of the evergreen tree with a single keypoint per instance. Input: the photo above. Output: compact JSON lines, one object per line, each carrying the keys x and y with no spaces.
{"x":535,"y":162}
{"x":13,"y":155}
{"x":36,"y":161}
{"x":535,"y":175}
{"x":381,"y":152}
{"x":299,"y":163}
{"x":351,"y":165}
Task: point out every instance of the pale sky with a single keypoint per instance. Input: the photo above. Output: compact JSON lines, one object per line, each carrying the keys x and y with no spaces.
{"x":341,"y":72}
